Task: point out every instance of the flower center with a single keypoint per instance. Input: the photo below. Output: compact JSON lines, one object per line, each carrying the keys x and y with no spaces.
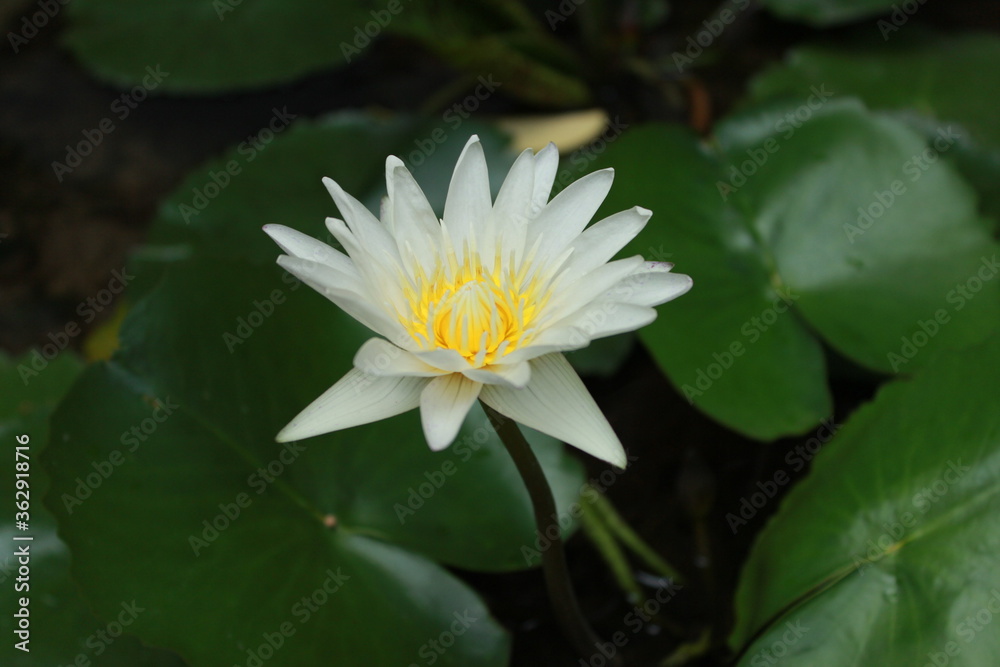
{"x":481,"y":315}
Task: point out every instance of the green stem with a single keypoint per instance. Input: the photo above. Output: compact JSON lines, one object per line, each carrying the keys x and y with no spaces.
{"x":620,"y":529}
{"x":557,"y":581}
{"x":610,"y":550}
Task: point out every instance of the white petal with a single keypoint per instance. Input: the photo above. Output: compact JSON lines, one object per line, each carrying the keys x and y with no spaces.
{"x":561,"y":222}
{"x":607,"y":318}
{"x":512,"y":209}
{"x":391,"y":164}
{"x":381,"y":273}
{"x":324,"y":278}
{"x":297,"y":244}
{"x":347,"y":292}
{"x":515,"y":375}
{"x":650,"y":286}
{"x":415,"y":225}
{"x":346,"y":238}
{"x":444,"y":402}
{"x":573,"y":293}
{"x":385,"y":211}
{"x":357,"y":398}
{"x":557,"y":403}
{"x":382,"y":358}
{"x":546,"y":164}
{"x":599,"y":242}
{"x":371,"y":234}
{"x":469,"y":202}
{"x":514,"y":199}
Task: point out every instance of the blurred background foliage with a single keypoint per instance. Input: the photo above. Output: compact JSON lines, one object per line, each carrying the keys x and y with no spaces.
{"x":825,"y":170}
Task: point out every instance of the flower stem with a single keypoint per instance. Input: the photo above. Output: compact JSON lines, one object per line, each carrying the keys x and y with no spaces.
{"x":557,"y":581}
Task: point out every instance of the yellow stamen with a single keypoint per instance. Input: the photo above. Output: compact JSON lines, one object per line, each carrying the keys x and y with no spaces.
{"x":483,"y":315}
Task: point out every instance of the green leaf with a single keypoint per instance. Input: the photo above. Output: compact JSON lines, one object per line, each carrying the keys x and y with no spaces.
{"x":935,"y":82}
{"x":948,"y":77}
{"x":765,"y":224}
{"x":902,"y":569}
{"x":205,"y":46}
{"x":62,"y":627}
{"x":821,"y":13}
{"x":883,"y":249}
{"x":664,"y":169}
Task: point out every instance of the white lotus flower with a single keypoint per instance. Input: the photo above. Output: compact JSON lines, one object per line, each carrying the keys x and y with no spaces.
{"x":480,"y":304}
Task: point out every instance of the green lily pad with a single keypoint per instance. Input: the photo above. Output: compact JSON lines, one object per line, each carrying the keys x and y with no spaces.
{"x":903,"y":568}
{"x":821,"y":13}
{"x":947,"y":77}
{"x":767,"y":224}
{"x":916,"y":76}
{"x":62,"y":627}
{"x":207,"y":46}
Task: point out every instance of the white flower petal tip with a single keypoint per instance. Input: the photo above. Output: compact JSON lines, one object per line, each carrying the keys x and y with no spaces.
{"x":357,"y":398}
{"x":684,"y":285}
{"x":392,"y":163}
{"x":478,"y":300}
{"x":444,"y":402}
{"x":557,"y":403}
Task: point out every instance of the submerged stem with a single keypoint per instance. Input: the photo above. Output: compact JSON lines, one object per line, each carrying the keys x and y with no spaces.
{"x":557,"y":580}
